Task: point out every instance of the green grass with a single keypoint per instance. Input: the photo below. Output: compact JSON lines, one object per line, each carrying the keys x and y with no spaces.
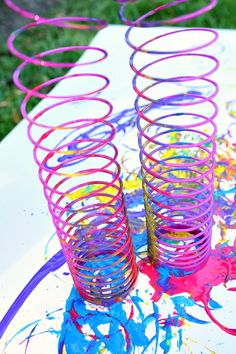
{"x":40,"y":39}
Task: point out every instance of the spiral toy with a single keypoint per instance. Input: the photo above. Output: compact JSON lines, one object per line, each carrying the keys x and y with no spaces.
{"x":72,"y":146}
{"x":175,"y":118}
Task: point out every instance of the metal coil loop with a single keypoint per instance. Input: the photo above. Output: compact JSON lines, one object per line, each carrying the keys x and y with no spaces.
{"x":176,"y":111}
{"x":78,"y":168}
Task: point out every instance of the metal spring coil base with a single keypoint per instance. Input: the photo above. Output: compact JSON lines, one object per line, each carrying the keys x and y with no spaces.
{"x":78,"y":169}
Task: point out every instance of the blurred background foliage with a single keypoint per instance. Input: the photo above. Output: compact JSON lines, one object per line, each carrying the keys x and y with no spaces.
{"x":40,"y":39}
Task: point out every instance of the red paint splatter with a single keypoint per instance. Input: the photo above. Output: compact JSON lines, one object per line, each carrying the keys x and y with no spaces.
{"x":74,"y":316}
{"x":131,"y":315}
{"x":153,"y":275}
{"x":220,"y":268}
{"x":231,"y":331}
{"x":231,"y":289}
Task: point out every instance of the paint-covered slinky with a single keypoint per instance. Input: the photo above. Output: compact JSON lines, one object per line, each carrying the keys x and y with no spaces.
{"x":78,"y":166}
{"x":176,"y":111}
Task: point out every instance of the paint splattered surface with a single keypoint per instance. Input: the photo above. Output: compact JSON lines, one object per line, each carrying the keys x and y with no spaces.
{"x":167,"y":312}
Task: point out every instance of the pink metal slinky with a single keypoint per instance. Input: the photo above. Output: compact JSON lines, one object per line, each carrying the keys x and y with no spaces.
{"x":72,"y":140}
{"x":176,"y":111}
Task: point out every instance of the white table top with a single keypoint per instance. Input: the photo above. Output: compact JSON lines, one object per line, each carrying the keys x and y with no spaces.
{"x":27,"y":235}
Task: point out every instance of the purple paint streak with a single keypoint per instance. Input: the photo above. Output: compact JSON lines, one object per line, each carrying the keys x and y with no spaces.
{"x":52,"y":265}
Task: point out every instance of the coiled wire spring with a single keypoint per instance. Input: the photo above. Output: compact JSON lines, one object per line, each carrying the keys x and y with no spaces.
{"x":72,"y":140}
{"x":175,"y":118}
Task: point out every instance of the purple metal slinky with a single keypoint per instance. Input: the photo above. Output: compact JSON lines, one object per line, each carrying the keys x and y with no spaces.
{"x":176,"y":110}
{"x":73,"y":147}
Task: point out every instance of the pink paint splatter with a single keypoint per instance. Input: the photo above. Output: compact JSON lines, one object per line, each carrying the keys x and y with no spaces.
{"x":220,"y":268}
